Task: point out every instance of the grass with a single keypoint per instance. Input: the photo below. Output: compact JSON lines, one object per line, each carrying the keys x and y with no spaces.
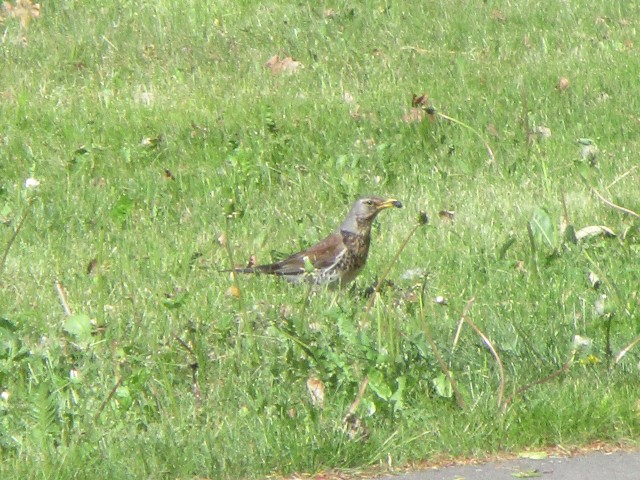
{"x":155,"y":128}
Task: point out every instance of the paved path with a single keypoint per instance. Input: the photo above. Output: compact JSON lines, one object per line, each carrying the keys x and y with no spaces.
{"x":591,"y":466}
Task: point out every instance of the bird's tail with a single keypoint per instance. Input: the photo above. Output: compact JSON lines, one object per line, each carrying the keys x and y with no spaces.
{"x":269,"y":269}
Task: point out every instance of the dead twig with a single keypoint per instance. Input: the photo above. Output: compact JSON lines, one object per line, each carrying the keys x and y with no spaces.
{"x":626,"y":349}
{"x":422,"y":220}
{"x":12,"y":239}
{"x":107,"y":400}
{"x":62,"y":296}
{"x":194,"y":370}
{"x":433,"y":111}
{"x":356,"y":402}
{"x":447,"y":373}
{"x":613,"y":205}
{"x":489,"y":345}
{"x":553,"y":375}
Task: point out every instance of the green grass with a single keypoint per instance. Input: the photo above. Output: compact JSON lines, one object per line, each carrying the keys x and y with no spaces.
{"x":274,"y":161}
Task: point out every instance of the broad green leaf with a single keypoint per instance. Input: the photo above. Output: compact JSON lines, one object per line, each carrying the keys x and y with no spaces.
{"x":398,"y":396}
{"x":79,"y":326}
{"x":543,"y":229}
{"x":177,"y":301}
{"x":124,"y":397}
{"x":506,"y":246}
{"x":121,"y":211}
{"x":378,"y":385}
{"x":7,"y":325}
{"x":442,"y":386}
{"x":6,"y":212}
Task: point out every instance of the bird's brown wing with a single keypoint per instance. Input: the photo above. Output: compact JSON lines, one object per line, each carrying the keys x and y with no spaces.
{"x":321,"y":255}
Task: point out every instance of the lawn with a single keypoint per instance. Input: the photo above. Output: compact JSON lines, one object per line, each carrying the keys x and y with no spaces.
{"x":146,"y":147}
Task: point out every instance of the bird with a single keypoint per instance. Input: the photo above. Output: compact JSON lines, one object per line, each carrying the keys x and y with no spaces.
{"x":339,"y":258}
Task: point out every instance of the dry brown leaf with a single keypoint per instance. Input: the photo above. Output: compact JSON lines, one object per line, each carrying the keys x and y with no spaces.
{"x":91,"y":266}
{"x":252,"y":261}
{"x":492,"y":130}
{"x":358,"y":114}
{"x":602,"y":20}
{"x":447,"y":215}
{"x":316,"y":391}
{"x":563,"y":84}
{"x":286,"y":65}
{"x":414,"y":115}
{"x":498,"y":16}
{"x":23,"y":10}
{"x":233,"y":291}
{"x":594,"y":281}
{"x":594,"y":230}
{"x":329,"y":13}
{"x":152,"y":142}
{"x":539,"y":132}
{"x":421,"y":100}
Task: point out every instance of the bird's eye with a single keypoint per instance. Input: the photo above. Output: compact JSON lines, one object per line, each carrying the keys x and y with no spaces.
{"x":368,"y":202}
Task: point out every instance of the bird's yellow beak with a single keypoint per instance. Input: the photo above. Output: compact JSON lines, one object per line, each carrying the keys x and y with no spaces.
{"x":391,"y":202}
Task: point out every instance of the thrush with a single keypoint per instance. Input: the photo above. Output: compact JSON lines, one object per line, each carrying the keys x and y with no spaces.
{"x":339,"y":258}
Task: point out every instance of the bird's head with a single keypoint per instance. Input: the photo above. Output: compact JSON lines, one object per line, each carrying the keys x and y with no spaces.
{"x":365,"y":210}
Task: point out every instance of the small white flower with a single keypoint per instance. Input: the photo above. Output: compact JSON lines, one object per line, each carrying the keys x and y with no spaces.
{"x":440,"y":300}
{"x":31,"y":183}
{"x":4,"y":395}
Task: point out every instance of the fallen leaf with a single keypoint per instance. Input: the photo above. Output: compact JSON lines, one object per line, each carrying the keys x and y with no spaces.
{"x":600,"y":305}
{"x":588,"y":151}
{"x":413,"y":273}
{"x":91,"y":267}
{"x":498,"y":16}
{"x":563,"y":84}
{"x":23,"y":10}
{"x":581,"y":343}
{"x":421,"y":100}
{"x":527,"y":474}
{"x":414,"y":115}
{"x":594,"y":230}
{"x":198,"y":130}
{"x":354,"y":427}
{"x":348,"y":98}
{"x":152,"y":142}
{"x":286,"y":65}
{"x":440,"y":300}
{"x":533,"y":455}
{"x":316,"y":391}
{"x":447,"y":215}
{"x":329,"y":13}
{"x":357,"y":114}
{"x":233,"y":292}
{"x":492,"y":130}
{"x":594,"y":281}
{"x":539,"y":132}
